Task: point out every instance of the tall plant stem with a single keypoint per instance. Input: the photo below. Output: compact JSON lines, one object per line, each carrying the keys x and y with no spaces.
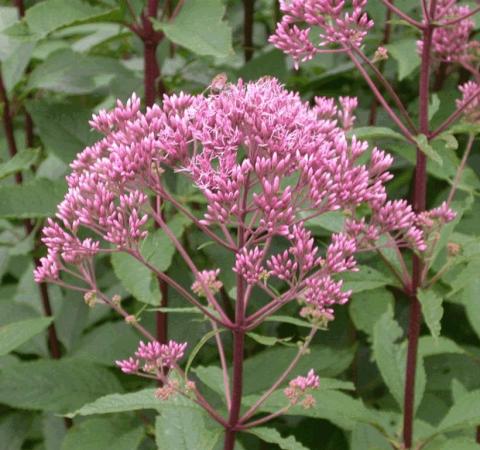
{"x":152,"y":86}
{"x":54,"y":345}
{"x":248,"y":11}
{"x":419,"y":203}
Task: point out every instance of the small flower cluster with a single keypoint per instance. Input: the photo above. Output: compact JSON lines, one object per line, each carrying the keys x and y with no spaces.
{"x":209,"y":278}
{"x":470,"y":101}
{"x":339,"y":26}
{"x":452,"y":43}
{"x":153,"y":358}
{"x":299,"y":390}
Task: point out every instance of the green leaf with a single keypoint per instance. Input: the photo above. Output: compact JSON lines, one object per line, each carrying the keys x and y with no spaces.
{"x":21,"y":161}
{"x":332,"y":405}
{"x":386,"y":332}
{"x":425,"y":147}
{"x":63,"y":127}
{"x":470,"y":296}
{"x":136,"y":278}
{"x":269,"y":341}
{"x":367,"y":307}
{"x":365,"y":279}
{"x":158,"y":249}
{"x":464,"y":413}
{"x":101,"y":433}
{"x":199,"y":346}
{"x":38,"y":198}
{"x":432,"y":310}
{"x":272,"y":436}
{"x":50,"y":15}
{"x":290,"y":320}
{"x":404,"y":51}
{"x":262,"y":367}
{"x":183,"y":425}
{"x":367,"y":437}
{"x":54,"y":385}
{"x":65,"y":71}
{"x":118,"y":403}
{"x":14,"y":429}
{"x":15,"y":334}
{"x":430,"y":346}
{"x":107,"y":343}
{"x":200,"y":28}
{"x":13,"y":67}
{"x":375,"y":133}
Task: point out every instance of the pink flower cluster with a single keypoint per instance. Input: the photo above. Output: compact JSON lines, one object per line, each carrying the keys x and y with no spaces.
{"x":264,"y":160}
{"x":300,"y":387}
{"x":153,"y":357}
{"x":470,"y":101}
{"x":452,"y":43}
{"x":208,"y":278}
{"x":339,"y":26}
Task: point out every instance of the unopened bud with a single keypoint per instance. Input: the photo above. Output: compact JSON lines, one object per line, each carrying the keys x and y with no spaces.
{"x":381,"y":54}
{"x":308,"y":402}
{"x":90,"y":298}
{"x":218,"y":83}
{"x":131,"y":319}
{"x":116,"y":300}
{"x":453,"y":249}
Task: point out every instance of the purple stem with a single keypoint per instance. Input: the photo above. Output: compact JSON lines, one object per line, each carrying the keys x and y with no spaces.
{"x":419,"y":203}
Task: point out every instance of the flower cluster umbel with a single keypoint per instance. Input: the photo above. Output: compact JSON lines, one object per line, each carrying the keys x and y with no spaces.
{"x":296,"y":163}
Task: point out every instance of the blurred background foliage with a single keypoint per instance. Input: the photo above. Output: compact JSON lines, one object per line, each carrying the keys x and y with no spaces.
{"x":66,"y":59}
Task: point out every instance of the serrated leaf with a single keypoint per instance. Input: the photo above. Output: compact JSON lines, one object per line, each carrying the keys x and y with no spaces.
{"x":158,"y":249}
{"x":55,"y":385}
{"x":38,"y":198}
{"x":268,"y":341}
{"x":367,"y":437}
{"x":331,"y":405}
{"x":184,"y":425}
{"x":101,"y":433}
{"x":14,"y":429}
{"x":404,"y":51}
{"x":365,"y":279}
{"x":272,"y":436}
{"x":432,"y":310}
{"x":426,"y":147}
{"x":430,"y":346}
{"x":386,"y":333}
{"x":65,"y":71}
{"x":200,"y":27}
{"x":50,"y":15}
{"x":367,"y":307}
{"x":118,"y":403}
{"x":470,"y":296}
{"x":136,"y":278}
{"x":63,"y":127}
{"x":17,"y":333}
{"x":21,"y":161}
{"x":375,"y":133}
{"x":262,"y":367}
{"x":464,"y":413}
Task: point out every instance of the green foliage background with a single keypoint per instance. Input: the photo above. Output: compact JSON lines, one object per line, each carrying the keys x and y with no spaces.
{"x":69,"y":58}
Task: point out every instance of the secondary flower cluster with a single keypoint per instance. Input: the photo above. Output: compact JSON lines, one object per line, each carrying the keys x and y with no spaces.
{"x":265,"y":161}
{"x":337,"y":24}
{"x":300,"y":388}
{"x":470,"y":100}
{"x":451,"y":43}
{"x":153,"y":358}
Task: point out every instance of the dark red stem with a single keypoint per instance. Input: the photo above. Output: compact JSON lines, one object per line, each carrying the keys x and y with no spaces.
{"x":419,"y":203}
{"x":238,"y":356}
{"x":248,"y":12}
{"x":152,"y":88}
{"x":12,"y":149}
